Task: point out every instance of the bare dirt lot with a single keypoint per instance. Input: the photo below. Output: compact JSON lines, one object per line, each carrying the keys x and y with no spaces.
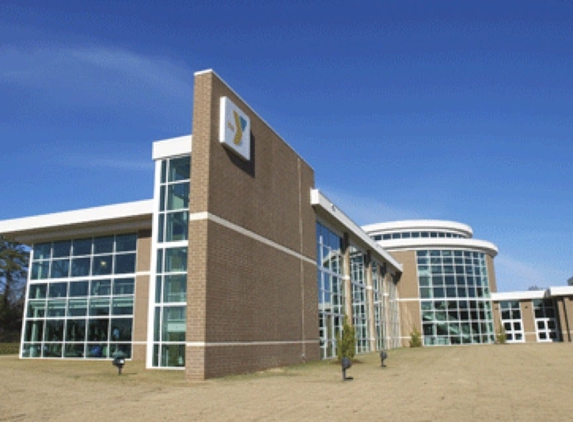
{"x":497,"y":383}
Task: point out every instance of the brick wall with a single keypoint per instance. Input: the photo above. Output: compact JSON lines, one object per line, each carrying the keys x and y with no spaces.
{"x":141,"y":305}
{"x":251,"y":304}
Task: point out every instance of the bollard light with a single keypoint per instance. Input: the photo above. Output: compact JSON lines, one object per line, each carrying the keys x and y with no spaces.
{"x":383,"y":357}
{"x":118,"y":361}
{"x":346,"y":363}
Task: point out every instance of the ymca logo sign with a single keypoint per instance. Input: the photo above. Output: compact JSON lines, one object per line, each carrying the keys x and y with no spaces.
{"x":235,"y":129}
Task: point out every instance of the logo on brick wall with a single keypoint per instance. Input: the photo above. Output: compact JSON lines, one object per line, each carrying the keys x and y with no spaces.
{"x":235,"y":129}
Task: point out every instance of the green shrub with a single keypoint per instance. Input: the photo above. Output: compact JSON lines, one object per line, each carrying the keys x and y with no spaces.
{"x":501,"y":336}
{"x":346,"y":341}
{"x":415,"y":338}
{"x":9,"y":348}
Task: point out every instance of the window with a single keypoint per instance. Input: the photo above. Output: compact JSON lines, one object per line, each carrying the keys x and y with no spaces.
{"x":75,"y":298}
{"x":455,"y":303}
{"x":330,"y":288}
{"x":510,"y":316}
{"x":172,"y":217}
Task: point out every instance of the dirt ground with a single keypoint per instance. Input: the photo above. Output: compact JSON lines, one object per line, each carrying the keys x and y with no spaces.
{"x":472,"y":383}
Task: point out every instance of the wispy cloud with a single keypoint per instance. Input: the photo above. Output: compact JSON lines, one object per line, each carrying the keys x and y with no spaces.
{"x":366,"y":209}
{"x":98,"y":76}
{"x":515,"y":274}
{"x":83,"y":160}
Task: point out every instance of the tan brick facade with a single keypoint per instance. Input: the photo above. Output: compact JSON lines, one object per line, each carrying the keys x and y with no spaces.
{"x":252,"y":299}
{"x":141,"y":305}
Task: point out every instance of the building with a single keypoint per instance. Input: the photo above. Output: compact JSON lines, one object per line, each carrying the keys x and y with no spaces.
{"x":535,"y":316}
{"x":445,"y":289}
{"x":448,"y":289}
{"x":240,"y":264}
{"x":217,"y":274}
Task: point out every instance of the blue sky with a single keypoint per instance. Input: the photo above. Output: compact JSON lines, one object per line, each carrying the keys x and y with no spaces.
{"x":451,"y":110}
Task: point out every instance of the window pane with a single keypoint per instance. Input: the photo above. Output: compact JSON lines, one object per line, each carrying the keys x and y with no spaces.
{"x":101,"y":287}
{"x":176,"y":260}
{"x":124,"y":263}
{"x":77,"y":307}
{"x":173,"y":355}
{"x":76,"y":330}
{"x":56,"y":308}
{"x":102,"y":265}
{"x":122,"y":305}
{"x":97,"y":350}
{"x":125,"y":242}
{"x":37,"y":291}
{"x":121,"y":329}
{"x":82,"y":247}
{"x":61,"y":249}
{"x":54,"y":330}
{"x":52,"y":350}
{"x":97,"y":329}
{"x":80,"y":267}
{"x":178,"y":196}
{"x":173,"y":324}
{"x":99,"y":306}
{"x":103,"y":244}
{"x":179,"y":168}
{"x":120,"y":350}
{"x":74,"y":350}
{"x":42,"y":250}
{"x":36,"y":308}
{"x":60,"y":268}
{"x":34,"y":331}
{"x":175,"y":289}
{"x":40,"y":270}
{"x":124,"y":286}
{"x":58,"y":290}
{"x":176,"y":226}
{"x":79,"y":288}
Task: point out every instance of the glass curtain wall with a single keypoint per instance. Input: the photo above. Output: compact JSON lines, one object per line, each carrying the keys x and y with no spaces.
{"x":330,"y":288}
{"x":359,"y":299}
{"x":80,"y":298}
{"x":378,"y":273}
{"x":171,"y":243}
{"x":455,"y":298}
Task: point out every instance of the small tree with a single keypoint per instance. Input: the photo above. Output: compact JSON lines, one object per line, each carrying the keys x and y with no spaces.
{"x":415,"y":338}
{"x":501,"y":335}
{"x":346,"y":341}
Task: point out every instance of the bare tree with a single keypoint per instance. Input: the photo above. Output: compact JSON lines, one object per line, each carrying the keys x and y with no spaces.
{"x":14,"y":258}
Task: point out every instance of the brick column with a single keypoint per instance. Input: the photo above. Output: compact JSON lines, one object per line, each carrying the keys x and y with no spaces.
{"x":370,"y":302}
{"x":346,"y":271}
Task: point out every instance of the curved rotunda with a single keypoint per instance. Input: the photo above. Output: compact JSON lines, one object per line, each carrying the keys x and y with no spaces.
{"x":445,"y":289}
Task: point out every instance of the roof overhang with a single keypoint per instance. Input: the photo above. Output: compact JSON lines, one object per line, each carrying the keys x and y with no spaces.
{"x":523,"y":295}
{"x":560,"y":291}
{"x":327,"y":209}
{"x":439,"y":243}
{"x":172,"y":147}
{"x":117,"y":218}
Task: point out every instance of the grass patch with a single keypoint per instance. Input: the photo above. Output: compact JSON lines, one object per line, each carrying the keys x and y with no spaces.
{"x":9,"y":348}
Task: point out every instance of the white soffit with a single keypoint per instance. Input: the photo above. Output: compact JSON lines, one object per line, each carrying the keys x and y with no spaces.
{"x":172,"y":147}
{"x":125,"y":216}
{"x":317,"y":199}
{"x":561,"y":291}
{"x":440,"y":242}
{"x":523,"y":295}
